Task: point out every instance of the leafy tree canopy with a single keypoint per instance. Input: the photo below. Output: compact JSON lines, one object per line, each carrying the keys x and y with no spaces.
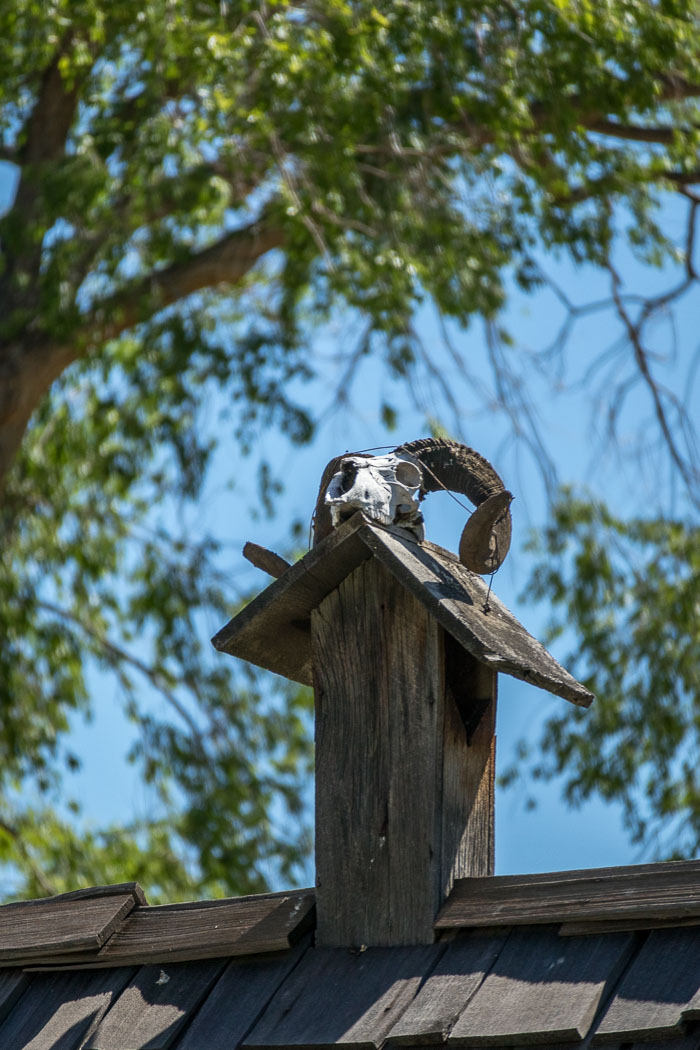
{"x":199,"y":185}
{"x":629,"y":591}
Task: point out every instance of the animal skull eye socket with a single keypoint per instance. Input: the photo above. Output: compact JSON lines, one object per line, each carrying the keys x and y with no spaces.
{"x":349,"y":473}
{"x":408,"y":474}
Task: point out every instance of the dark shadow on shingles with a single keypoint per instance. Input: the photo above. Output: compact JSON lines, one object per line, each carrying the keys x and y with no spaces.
{"x":59,"y":1010}
{"x":155,"y":1005}
{"x":337,"y":995}
{"x":538,"y":955}
{"x":667,"y":968}
{"x":238,"y":999}
{"x":543,"y":989}
{"x":13,"y":984}
{"x":447,"y":990}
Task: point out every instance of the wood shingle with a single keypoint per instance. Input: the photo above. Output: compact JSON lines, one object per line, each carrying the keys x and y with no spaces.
{"x":507,"y":985}
{"x":273,"y":631}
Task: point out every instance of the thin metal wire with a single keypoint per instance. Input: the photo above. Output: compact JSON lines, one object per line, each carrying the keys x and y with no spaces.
{"x":445,"y":488}
{"x":487,"y":607}
{"x":383,"y":448}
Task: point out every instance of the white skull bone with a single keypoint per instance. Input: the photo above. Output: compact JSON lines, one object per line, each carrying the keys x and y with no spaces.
{"x":385,"y":488}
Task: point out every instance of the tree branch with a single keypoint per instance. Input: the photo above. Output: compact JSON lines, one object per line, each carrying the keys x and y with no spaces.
{"x":227,"y":261}
{"x":641,"y":358}
{"x":46,"y":129}
{"x":675,"y":88}
{"x":42,"y":141}
{"x":633,"y":132}
{"x":683,"y":178}
{"x":163,"y":199}
{"x":27,"y":371}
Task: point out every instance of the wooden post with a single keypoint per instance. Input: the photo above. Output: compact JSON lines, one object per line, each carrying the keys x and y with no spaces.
{"x":404,"y":804}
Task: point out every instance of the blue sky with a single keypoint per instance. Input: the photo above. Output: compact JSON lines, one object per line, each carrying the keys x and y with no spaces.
{"x":571,"y":409}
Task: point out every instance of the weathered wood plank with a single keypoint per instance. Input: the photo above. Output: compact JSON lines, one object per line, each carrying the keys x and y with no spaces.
{"x":61,"y":1011}
{"x":238,"y":1000}
{"x":673,"y":870}
{"x":640,"y":923}
{"x":447,"y":990}
{"x":265,"y":559}
{"x":468,"y":767}
{"x":86,"y":893}
{"x":204,"y":930}
{"x":155,"y":1006}
{"x":644,"y":892}
{"x":40,"y":928}
{"x":542,"y":989}
{"x":12,"y":984}
{"x":231,"y":927}
{"x":273,"y":630}
{"x":658,"y":990}
{"x":378,"y":680}
{"x":692,"y":1011}
{"x":335,"y":996}
{"x":398,"y":821}
{"x":456,"y":598}
{"x":688,"y":1041}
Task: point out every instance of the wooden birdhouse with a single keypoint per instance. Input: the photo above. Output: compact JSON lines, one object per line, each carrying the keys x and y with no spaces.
{"x":402,"y":644}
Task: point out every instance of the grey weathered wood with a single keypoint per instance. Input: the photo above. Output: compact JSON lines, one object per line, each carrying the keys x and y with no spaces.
{"x":155,"y":1006}
{"x":458,"y":600}
{"x":86,"y":893}
{"x":61,"y":1011}
{"x":378,"y":671}
{"x":542,"y":989}
{"x":636,"y":894}
{"x":12,"y":984}
{"x":672,"y":870}
{"x":40,"y":928}
{"x":687,"y":1041}
{"x":238,"y":999}
{"x":203,"y":930}
{"x":403,"y":805}
{"x":692,"y":1011}
{"x":265,"y":559}
{"x":335,"y":996}
{"x":658,"y":990}
{"x":447,"y":990}
{"x":468,"y":776}
{"x":574,"y":928}
{"x":273,"y":630}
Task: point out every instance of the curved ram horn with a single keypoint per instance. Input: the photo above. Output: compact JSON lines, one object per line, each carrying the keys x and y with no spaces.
{"x":451,"y":465}
{"x":442,"y":464}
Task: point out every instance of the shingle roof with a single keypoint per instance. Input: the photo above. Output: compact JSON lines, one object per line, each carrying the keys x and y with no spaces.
{"x":523,"y":979}
{"x":273,"y":631}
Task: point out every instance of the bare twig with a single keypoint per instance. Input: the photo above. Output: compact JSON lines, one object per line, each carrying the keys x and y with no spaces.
{"x":641,"y":357}
{"x":116,"y":655}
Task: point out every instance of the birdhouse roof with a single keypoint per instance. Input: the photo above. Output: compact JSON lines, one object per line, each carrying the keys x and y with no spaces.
{"x":607,"y":955}
{"x":274,"y":630}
